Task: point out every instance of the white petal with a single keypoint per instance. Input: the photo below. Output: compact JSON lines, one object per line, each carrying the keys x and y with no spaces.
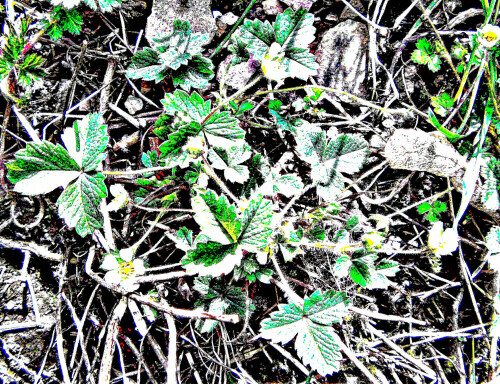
{"x":127,"y":254}
{"x":139,"y":268}
{"x":435,"y":235}
{"x":109,"y":263}
{"x":113,"y":277}
{"x":129,"y":285}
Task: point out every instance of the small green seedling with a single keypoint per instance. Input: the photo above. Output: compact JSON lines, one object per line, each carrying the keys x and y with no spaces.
{"x":426,"y":53}
{"x":433,"y":210}
{"x":442,"y":104}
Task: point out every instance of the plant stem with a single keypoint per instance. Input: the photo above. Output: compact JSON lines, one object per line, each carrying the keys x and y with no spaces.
{"x":6,"y":116}
{"x":339,"y":92}
{"x":233,"y":30}
{"x":433,"y":197}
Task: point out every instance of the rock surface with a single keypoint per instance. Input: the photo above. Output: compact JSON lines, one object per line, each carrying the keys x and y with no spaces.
{"x":165,"y":12}
{"x":342,"y":55}
{"x":237,"y":75}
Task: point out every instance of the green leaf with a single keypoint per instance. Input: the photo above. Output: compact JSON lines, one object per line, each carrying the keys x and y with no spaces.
{"x":296,"y":27}
{"x":212,"y":259}
{"x":425,"y":46}
{"x":94,"y":138}
{"x":176,"y":140}
{"x":490,"y":196}
{"x":288,"y":185}
{"x":230,"y":162}
{"x":434,"y":63}
{"x":186,"y":107}
{"x":439,"y":206}
{"x":275,"y":105}
{"x":344,"y":153}
{"x":79,"y":204}
{"x":196,"y":75}
{"x":218,"y":298}
{"x":420,"y":57}
{"x":41,"y":168}
{"x":311,"y":323}
{"x":352,"y":222}
{"x":105,"y":5}
{"x":424,"y":207}
{"x":223,"y":130}
{"x":255,"y":224}
{"x":216,"y":217}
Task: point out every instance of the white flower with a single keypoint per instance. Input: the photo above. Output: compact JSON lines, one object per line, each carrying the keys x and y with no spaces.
{"x":122,"y":270}
{"x":272,"y":64}
{"x":442,"y":242}
{"x":489,"y":35}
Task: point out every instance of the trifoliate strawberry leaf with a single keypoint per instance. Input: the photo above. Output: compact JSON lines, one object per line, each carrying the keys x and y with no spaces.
{"x":216,"y":217}
{"x":41,"y":168}
{"x":184,"y":239}
{"x":176,"y":140}
{"x":294,"y":29}
{"x":79,"y":204}
{"x":344,"y":153}
{"x":178,"y":54}
{"x":218,"y":298}
{"x":362,"y":270}
{"x":221,"y":128}
{"x":230,"y":161}
{"x":311,"y":323}
{"x":490,"y":196}
{"x":255,"y":224}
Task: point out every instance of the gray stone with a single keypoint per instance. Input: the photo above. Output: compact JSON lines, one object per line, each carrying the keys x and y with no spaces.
{"x":165,"y":12}
{"x":342,"y":55}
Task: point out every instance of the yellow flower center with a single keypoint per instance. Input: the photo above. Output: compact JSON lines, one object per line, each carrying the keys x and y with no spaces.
{"x":490,"y":36}
{"x":126,"y":270}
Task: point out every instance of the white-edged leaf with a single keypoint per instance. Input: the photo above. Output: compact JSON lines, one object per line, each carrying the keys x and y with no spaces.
{"x":328,"y":158}
{"x":45,"y":182}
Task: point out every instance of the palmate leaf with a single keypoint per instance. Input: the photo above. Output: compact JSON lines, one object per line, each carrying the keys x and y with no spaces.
{"x":362,"y":270}
{"x":230,"y":161}
{"x":79,"y":204}
{"x":311,"y":323}
{"x":179,"y":54}
{"x":295,"y":29}
{"x":63,"y":20}
{"x":221,"y":128}
{"x":288,"y":185}
{"x":212,"y":259}
{"x":328,"y":158}
{"x":196,"y":75}
{"x":41,"y":168}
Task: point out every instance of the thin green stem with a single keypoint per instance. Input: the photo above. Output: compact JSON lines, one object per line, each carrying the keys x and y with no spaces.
{"x":233,"y":30}
{"x":433,"y":197}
